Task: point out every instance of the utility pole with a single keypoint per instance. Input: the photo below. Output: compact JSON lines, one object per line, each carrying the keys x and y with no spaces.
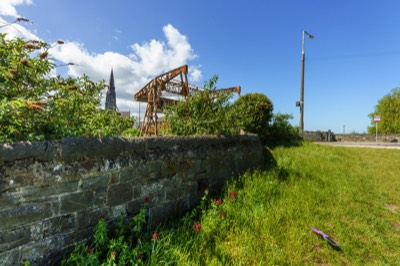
{"x":301,"y":103}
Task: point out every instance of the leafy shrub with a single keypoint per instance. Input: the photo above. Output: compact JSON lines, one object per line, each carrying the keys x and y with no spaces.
{"x":205,"y":112}
{"x":131,"y":132}
{"x":253,"y":112}
{"x":35,"y":106}
{"x":280,"y":131}
{"x":130,"y":246}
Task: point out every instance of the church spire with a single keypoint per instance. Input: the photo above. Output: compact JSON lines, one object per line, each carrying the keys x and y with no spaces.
{"x":111,"y":100}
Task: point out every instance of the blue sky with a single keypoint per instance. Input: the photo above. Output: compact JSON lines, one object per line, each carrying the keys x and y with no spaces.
{"x":353,"y":61}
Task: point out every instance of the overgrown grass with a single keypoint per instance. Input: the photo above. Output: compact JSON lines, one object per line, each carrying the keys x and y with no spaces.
{"x":351,"y":194}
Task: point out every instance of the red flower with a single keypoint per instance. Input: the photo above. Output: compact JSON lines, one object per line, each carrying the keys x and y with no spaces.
{"x":233,"y":194}
{"x":146,"y":199}
{"x":219,"y":201}
{"x":223,"y":214}
{"x":197,"y":227}
{"x":91,"y":250}
{"x":113,"y":254}
{"x":155,"y":236}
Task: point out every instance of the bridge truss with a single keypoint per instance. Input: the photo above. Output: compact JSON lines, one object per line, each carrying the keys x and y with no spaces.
{"x":163,"y":91}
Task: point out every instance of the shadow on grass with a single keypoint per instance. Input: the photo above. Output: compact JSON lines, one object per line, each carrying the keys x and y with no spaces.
{"x":284,"y":143}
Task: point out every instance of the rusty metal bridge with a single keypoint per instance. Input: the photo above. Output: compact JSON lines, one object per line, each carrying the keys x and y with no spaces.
{"x":163,"y":91}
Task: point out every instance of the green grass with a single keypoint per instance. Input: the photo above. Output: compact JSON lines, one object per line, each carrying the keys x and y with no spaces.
{"x":351,"y":194}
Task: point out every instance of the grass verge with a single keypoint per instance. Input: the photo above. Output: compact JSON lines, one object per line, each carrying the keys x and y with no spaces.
{"x":351,"y":194}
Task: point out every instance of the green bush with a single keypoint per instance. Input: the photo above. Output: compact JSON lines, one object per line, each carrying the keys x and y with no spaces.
{"x":35,"y":106}
{"x":280,"y":131}
{"x":253,"y":112}
{"x":131,"y":133}
{"x":205,"y":112}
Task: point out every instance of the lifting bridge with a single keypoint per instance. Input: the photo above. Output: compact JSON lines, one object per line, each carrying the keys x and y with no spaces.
{"x":163,"y":91}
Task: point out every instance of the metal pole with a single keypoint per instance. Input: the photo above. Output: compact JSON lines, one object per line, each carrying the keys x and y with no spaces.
{"x":139,"y":115}
{"x":376,"y":123}
{"x":303,"y":59}
{"x":302,"y":88}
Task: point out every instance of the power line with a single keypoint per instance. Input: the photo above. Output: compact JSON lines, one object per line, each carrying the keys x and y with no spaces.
{"x":354,"y":56}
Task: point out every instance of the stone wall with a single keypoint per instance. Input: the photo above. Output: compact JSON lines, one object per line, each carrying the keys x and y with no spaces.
{"x":367,"y":137}
{"x":52,"y":193}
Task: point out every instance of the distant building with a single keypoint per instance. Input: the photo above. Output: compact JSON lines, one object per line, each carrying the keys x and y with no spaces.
{"x":125,"y":113}
{"x":111,"y":99}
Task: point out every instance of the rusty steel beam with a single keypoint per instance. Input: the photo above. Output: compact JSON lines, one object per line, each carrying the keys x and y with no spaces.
{"x":156,"y":91}
{"x":161,"y":80}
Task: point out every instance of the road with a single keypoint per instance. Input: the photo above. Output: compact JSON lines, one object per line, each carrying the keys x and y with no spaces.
{"x":377,"y":145}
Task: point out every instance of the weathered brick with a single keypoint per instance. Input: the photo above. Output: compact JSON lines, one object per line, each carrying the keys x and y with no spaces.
{"x":96,"y":182}
{"x":87,"y":219}
{"x":25,"y":214}
{"x":133,"y":207}
{"x":119,"y":194}
{"x":100,"y":197}
{"x":14,"y":238}
{"x":44,"y":192}
{"x":11,"y":257}
{"x":76,"y":201}
{"x":80,"y":148}
{"x":41,"y":150}
{"x":58,"y":225}
{"x":130,"y":175}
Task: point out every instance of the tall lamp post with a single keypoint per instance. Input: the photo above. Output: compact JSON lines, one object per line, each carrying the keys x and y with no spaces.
{"x":301,"y":103}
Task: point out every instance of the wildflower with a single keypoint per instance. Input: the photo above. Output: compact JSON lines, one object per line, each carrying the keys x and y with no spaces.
{"x":219,"y":201}
{"x":13,"y":71}
{"x":233,"y":194}
{"x":91,"y":250}
{"x":197,"y":227}
{"x":31,"y":46}
{"x":43,"y":55}
{"x":72,"y":88}
{"x":223,"y":214}
{"x":23,"y":61}
{"x":113,"y":254}
{"x":155,"y":236}
{"x":34,"y":107}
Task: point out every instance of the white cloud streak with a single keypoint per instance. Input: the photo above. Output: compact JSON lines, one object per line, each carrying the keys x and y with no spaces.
{"x":131,"y":72}
{"x":7,"y":7}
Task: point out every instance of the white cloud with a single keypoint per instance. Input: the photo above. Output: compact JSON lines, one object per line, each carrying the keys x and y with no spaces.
{"x":195,"y":74}
{"x":13,"y":30}
{"x":7,"y":7}
{"x":131,"y":72}
{"x":16,"y":31}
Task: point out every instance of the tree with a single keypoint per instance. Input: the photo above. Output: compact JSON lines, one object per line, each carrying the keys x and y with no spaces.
{"x":205,"y":112}
{"x":281,"y":132}
{"x":389,"y":110}
{"x":35,"y":106}
{"x":254,"y":112}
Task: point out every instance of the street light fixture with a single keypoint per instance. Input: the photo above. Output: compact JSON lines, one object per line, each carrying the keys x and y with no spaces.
{"x":301,"y":103}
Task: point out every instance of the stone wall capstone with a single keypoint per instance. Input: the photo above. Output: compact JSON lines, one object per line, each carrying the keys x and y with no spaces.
{"x":52,"y":193}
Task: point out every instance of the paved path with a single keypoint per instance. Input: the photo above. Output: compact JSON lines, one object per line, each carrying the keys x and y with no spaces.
{"x":379,"y":145}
